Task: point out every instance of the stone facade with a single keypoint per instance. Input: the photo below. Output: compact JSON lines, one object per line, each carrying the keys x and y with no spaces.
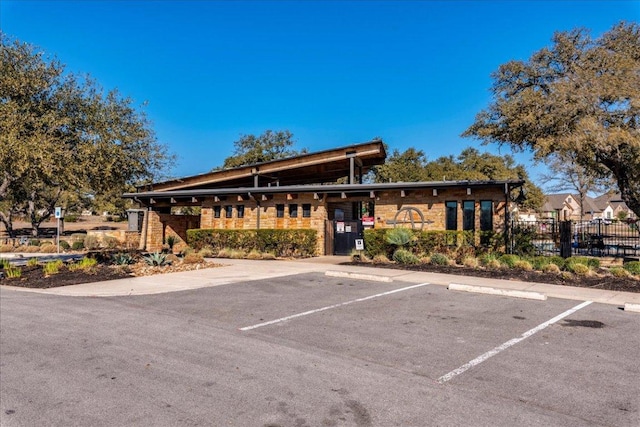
{"x":161,"y":225}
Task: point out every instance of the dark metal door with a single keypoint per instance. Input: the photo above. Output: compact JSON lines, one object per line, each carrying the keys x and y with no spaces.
{"x":345,"y":234}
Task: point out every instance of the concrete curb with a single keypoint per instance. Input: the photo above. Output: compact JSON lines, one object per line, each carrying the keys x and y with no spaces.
{"x":634,"y":308}
{"x":494,"y":291}
{"x":358,"y":276}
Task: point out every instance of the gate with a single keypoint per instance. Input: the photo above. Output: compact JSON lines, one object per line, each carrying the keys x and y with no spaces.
{"x":345,"y":234}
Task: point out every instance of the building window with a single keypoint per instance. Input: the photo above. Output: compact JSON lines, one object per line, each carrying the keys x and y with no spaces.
{"x":486,"y":215}
{"x":216,"y":211}
{"x":279,"y":211}
{"x":451,"y":215}
{"x":228,"y":211}
{"x":469,"y":215}
{"x":293,"y":211}
{"x":306,"y":210}
{"x":240,"y":211}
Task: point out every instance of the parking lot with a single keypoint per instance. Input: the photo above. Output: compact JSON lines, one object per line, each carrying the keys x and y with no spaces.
{"x":312,"y":350}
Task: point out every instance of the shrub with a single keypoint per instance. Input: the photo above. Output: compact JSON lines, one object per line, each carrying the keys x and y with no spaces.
{"x":399,"y":237}
{"x":619,"y":272}
{"x":633,"y":267}
{"x":588,"y":261}
{"x":237,"y":254}
{"x":439,"y":259}
{"x":193,"y":258}
{"x":71,"y":218}
{"x":485,"y":259}
{"x":172,"y":259}
{"x":52,"y":267}
{"x":254,"y":254}
{"x":156,"y":259}
{"x":91,"y":242}
{"x":523,"y":265}
{"x":65,"y":245}
{"x":283,"y":243}
{"x":34,"y":242}
{"x":580,"y":269}
{"x":403,"y":256}
{"x":171,"y":241}
{"x":13,"y":272}
{"x":77,"y":245}
{"x":48,"y":248}
{"x":509,"y":260}
{"x":206,"y":252}
{"x":494,"y":264}
{"x":111,"y":242}
{"x":122,"y":258}
{"x":224,"y":253}
{"x":551,"y":268}
{"x":33,"y":261}
{"x":268,"y":255}
{"x":6,"y":248}
{"x":558,"y":260}
{"x":4,"y":263}
{"x":381,"y":259}
{"x":470,"y":262}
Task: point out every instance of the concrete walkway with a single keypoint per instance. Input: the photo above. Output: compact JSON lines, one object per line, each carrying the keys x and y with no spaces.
{"x":237,"y":271}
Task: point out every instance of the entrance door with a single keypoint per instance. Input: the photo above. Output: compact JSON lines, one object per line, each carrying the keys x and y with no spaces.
{"x":345,"y":234}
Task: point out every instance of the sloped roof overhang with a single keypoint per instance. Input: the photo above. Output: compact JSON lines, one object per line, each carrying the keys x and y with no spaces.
{"x":310,"y":168}
{"x":195,"y":196}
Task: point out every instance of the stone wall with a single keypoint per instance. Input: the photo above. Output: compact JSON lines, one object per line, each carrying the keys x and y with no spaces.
{"x":161,"y":225}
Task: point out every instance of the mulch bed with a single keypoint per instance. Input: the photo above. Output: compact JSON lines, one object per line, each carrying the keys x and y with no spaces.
{"x":607,"y":282}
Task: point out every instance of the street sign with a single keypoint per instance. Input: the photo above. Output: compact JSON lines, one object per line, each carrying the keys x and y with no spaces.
{"x":58,"y":212}
{"x":359,"y":244}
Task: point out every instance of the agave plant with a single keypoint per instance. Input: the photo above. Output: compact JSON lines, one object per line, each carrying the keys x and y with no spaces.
{"x":123,"y":258}
{"x":399,"y":236}
{"x":156,"y":259}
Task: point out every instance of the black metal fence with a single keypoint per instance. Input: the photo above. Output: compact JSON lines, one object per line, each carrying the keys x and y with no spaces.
{"x":598,"y":237}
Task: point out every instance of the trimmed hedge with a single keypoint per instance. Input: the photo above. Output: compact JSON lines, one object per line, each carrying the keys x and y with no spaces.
{"x":282,"y":243}
{"x":424,"y":242}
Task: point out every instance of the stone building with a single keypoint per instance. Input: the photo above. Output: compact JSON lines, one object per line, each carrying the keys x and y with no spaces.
{"x":322,"y":191}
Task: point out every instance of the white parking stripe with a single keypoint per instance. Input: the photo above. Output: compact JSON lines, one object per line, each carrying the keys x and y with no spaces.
{"x":443,"y":379}
{"x":306,"y":313}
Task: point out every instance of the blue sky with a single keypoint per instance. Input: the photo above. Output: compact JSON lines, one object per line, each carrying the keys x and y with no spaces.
{"x":333,"y":73}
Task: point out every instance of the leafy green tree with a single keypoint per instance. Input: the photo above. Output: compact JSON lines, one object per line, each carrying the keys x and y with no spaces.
{"x":251,"y":149}
{"x":61,"y":135}
{"x":580,"y":95}
{"x":407,"y":166}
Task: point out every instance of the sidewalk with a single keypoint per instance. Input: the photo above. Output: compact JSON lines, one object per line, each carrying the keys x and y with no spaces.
{"x":241,"y":270}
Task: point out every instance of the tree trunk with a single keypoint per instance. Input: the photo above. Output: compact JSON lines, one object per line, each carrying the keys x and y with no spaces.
{"x":7,"y":220}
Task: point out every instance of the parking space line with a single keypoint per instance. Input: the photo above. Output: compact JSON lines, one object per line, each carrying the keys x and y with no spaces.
{"x":317,"y":310}
{"x":443,"y":379}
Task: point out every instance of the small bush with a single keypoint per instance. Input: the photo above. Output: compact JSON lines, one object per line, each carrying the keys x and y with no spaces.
{"x":268,"y":255}
{"x":48,"y":249}
{"x":122,"y":258}
{"x":509,"y":260}
{"x":33,"y":261}
{"x":580,"y":269}
{"x":206,"y":252}
{"x":4,"y":263}
{"x":111,"y":242}
{"x":6,"y":248}
{"x":399,"y":237}
{"x":237,"y":254}
{"x":172,"y":259}
{"x":470,"y":262}
{"x":91,"y":242}
{"x":566,"y":275}
{"x":523,"y":265}
{"x":439,"y":259}
{"x":588,"y":261}
{"x":551,"y":268}
{"x":77,"y":245}
{"x":193,"y":258}
{"x":156,"y":259}
{"x":13,"y":272}
{"x":633,"y":267}
{"x":65,"y":245}
{"x":619,"y":272}
{"x":484,"y":259}
{"x":558,"y":260}
{"x":494,"y":264}
{"x":52,"y":267}
{"x":224,"y":253}
{"x":71,"y":218}
{"x":403,"y":256}
{"x":381,"y":259}
{"x":34,"y":242}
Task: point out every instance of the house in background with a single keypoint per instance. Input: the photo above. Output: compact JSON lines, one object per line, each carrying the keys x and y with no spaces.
{"x":566,"y":206}
{"x":302,"y":192}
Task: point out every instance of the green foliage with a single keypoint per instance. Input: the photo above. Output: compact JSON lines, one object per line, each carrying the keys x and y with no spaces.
{"x":439,"y":259}
{"x":122,"y":258}
{"x":33,"y":261}
{"x":633,"y":267}
{"x":523,"y":265}
{"x":5,"y":263}
{"x":619,"y":272}
{"x":579,"y":269}
{"x":70,"y":218}
{"x":408,"y":166}
{"x":77,"y":245}
{"x":84,"y":264}
{"x":13,"y":272}
{"x":62,"y":137}
{"x":64,"y":245}
{"x":576,"y":96}
{"x":582,"y":260}
{"x":52,"y":267}
{"x":399,"y":237}
{"x":403,"y":256}
{"x":523,"y":236}
{"x":34,"y":242}
{"x":171,"y":240}
{"x":156,"y":259}
{"x":509,"y":260}
{"x":282,"y":243}
{"x":251,"y":149}
{"x":422,"y":242}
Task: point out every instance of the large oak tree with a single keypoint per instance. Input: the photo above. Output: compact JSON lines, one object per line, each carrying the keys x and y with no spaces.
{"x":60,"y":134}
{"x":580,"y":97}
